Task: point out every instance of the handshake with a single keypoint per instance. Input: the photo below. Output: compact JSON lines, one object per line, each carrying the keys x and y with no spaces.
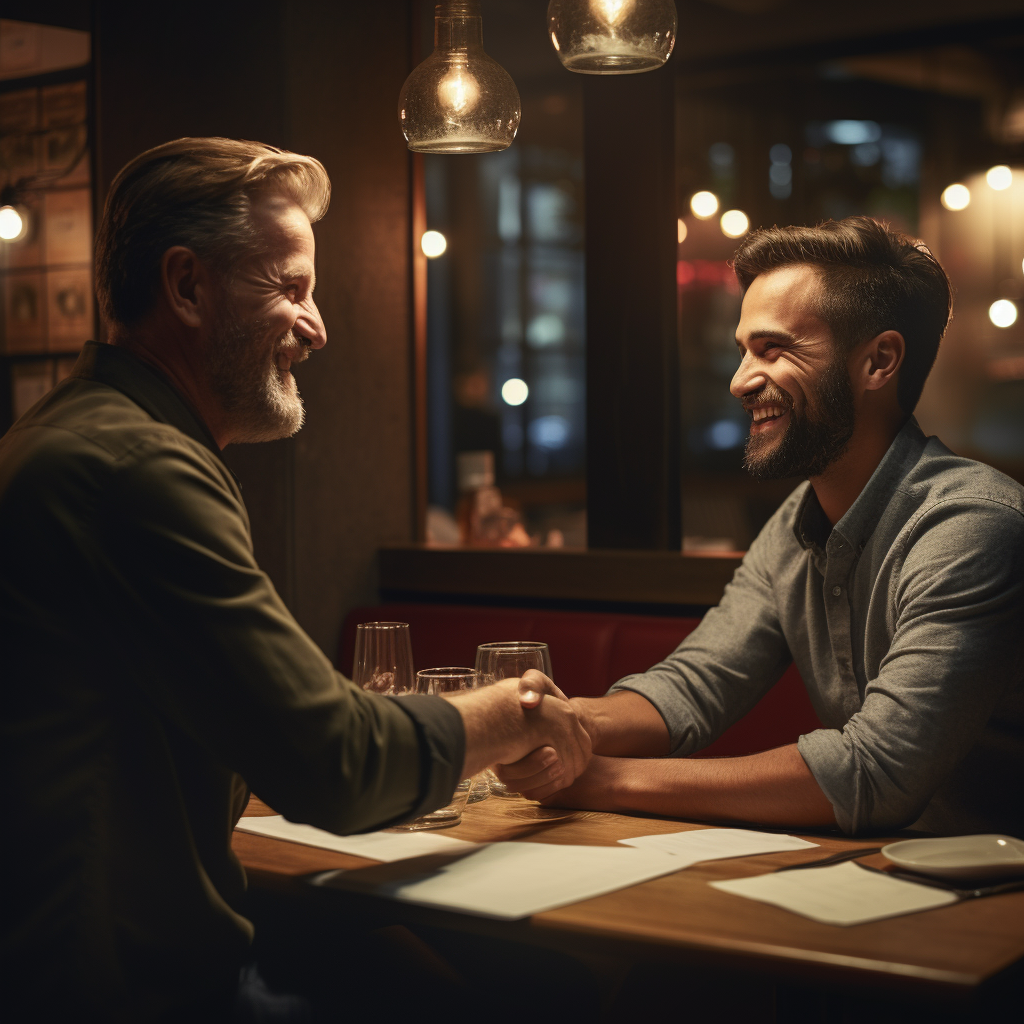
{"x":528,"y":731}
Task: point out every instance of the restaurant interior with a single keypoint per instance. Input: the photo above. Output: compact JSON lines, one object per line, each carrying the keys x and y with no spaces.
{"x":523,"y":405}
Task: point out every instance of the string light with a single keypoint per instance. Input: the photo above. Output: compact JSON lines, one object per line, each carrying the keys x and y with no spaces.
{"x":515,"y":391}
{"x":1003,"y":313}
{"x":999,"y":177}
{"x":433,"y":244}
{"x":734,"y":223}
{"x":956,"y":197}
{"x":704,"y":204}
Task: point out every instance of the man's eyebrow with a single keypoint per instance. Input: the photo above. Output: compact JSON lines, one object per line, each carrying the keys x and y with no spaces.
{"x":777,"y":335}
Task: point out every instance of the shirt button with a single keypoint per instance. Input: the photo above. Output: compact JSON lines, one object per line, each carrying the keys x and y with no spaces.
{"x":836,"y":591}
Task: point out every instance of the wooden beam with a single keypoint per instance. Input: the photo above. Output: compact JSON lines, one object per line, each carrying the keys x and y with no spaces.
{"x":633,"y":423}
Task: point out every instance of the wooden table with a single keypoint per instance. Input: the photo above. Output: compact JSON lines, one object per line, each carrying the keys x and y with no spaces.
{"x":955,"y":959}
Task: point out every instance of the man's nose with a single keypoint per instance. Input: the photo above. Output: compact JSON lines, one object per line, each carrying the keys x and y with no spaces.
{"x":747,"y":379}
{"x":310,"y":324}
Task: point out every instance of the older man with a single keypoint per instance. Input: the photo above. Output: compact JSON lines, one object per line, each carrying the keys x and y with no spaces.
{"x":152,"y":674}
{"x":894,"y":578}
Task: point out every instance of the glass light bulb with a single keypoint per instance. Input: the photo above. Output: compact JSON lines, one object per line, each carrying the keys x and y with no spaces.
{"x":459,"y":100}
{"x":956,"y":197}
{"x":612,"y":37}
{"x":999,"y":177}
{"x":12,"y":224}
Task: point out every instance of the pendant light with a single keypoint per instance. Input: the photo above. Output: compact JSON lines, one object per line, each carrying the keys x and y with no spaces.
{"x":612,"y":37}
{"x":459,"y":100}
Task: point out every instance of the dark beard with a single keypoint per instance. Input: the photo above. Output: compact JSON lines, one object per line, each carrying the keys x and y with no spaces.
{"x":813,"y":440}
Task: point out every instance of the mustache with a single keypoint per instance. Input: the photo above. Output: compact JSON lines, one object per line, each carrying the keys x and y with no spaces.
{"x":767,"y":394}
{"x":295,"y":347}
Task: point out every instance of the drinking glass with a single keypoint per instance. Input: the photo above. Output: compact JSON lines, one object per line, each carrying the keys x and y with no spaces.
{"x":434,"y":682}
{"x":509,"y":659}
{"x":383,"y":658}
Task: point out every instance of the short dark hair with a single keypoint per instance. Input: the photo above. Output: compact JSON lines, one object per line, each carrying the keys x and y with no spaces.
{"x":197,"y":193}
{"x":873,"y":279}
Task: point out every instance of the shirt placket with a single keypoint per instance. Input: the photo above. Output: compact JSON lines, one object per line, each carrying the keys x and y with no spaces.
{"x":839,"y":559}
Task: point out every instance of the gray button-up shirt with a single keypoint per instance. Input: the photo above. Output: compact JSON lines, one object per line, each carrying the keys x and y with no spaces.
{"x":906,"y":622}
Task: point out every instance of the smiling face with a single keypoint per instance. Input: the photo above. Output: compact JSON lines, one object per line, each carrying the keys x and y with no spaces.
{"x":793,"y":379}
{"x":267,"y":321}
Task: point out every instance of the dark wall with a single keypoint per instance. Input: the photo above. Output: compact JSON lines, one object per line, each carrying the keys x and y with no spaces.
{"x":322,"y":78}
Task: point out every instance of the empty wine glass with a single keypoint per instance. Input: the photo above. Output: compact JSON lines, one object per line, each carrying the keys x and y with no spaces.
{"x":383,"y":658}
{"x":434,"y":682}
{"x":509,"y":659}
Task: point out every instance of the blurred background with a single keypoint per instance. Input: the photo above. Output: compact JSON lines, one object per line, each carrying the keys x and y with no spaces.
{"x":786,"y":113}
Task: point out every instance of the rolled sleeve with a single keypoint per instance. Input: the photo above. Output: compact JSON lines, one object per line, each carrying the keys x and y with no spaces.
{"x":725,"y":666}
{"x":958,"y":605}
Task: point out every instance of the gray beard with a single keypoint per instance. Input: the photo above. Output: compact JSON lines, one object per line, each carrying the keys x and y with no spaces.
{"x":259,"y":403}
{"x":812,"y":441}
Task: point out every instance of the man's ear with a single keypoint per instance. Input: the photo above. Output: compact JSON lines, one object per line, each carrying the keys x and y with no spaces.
{"x":881,"y":359}
{"x":184,"y":283}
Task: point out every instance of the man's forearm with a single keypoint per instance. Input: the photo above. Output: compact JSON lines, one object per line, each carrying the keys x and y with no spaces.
{"x":623,"y":724}
{"x":771,"y":788}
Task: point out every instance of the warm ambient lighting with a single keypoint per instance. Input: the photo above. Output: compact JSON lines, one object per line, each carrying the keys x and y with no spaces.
{"x":12,"y":224}
{"x":681,"y":230}
{"x":999,"y":177}
{"x":459,"y":100}
{"x":704,"y":204}
{"x":433,"y":244}
{"x":1003,"y":313}
{"x":735,"y":223}
{"x":956,"y":197}
{"x":514,"y":391}
{"x":612,"y":37}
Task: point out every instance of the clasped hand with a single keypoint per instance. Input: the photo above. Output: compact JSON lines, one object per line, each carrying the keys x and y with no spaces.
{"x":551,"y":767}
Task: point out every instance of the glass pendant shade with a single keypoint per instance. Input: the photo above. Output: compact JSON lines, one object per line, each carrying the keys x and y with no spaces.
{"x":459,"y":100}
{"x":612,"y":37}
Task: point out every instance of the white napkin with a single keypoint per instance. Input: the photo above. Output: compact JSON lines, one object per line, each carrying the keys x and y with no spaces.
{"x":843,"y":894}
{"x":717,"y":844}
{"x":385,"y":846}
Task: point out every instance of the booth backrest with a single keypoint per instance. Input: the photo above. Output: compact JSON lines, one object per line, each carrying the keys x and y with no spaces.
{"x":589,"y":652}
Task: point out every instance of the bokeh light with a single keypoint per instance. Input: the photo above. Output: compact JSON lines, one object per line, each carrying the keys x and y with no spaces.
{"x":12,"y":224}
{"x":433,"y":244}
{"x":514,"y":391}
{"x":956,"y":197}
{"x":704,"y":204}
{"x":1003,"y":313}
{"x":735,"y":223}
{"x":999,"y":177}
{"x":681,"y":230}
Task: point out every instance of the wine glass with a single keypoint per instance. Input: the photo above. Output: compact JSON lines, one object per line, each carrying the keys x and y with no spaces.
{"x":507,"y":660}
{"x":434,"y":682}
{"x":383,"y":658}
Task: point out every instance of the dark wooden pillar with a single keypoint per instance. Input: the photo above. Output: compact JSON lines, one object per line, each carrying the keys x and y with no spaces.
{"x":633,"y":441}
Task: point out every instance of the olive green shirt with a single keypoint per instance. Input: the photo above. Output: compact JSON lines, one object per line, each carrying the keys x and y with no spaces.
{"x":149,"y":667}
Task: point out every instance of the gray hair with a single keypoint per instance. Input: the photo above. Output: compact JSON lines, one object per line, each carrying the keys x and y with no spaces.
{"x":197,"y":193}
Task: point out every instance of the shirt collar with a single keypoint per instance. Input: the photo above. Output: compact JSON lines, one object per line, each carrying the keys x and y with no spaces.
{"x":146,"y":386}
{"x":811,"y":525}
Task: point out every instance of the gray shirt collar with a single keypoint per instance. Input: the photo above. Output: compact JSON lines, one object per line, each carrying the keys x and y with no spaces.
{"x":811,"y":525}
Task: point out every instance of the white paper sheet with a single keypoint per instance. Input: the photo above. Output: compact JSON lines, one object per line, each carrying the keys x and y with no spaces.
{"x":717,"y":844}
{"x":843,"y":894}
{"x":384,"y":846}
{"x":510,"y":880}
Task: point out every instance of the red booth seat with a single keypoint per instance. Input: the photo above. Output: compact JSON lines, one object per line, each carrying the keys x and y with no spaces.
{"x":589,"y":652}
